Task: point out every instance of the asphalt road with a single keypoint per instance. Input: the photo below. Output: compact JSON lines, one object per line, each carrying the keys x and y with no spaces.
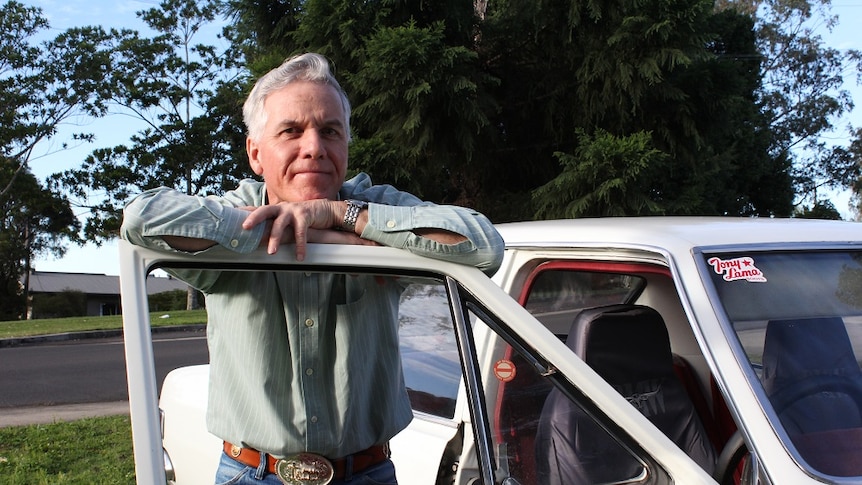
{"x":86,"y":371}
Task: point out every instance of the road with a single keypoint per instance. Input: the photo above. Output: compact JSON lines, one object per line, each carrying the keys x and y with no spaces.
{"x":86,"y":371}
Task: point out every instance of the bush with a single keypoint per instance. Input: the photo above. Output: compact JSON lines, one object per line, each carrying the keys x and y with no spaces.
{"x":169,"y":301}
{"x":67,"y":303}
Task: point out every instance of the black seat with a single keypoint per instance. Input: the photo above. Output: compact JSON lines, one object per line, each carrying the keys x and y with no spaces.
{"x":811,"y":375}
{"x":629,"y":347}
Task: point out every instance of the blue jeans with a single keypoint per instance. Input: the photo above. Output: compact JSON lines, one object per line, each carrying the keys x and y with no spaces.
{"x":232,"y":472}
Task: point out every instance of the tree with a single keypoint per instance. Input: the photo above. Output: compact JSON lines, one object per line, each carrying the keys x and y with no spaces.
{"x":820,"y":210}
{"x":188,"y":95}
{"x":35,"y":221}
{"x":480,"y":103}
{"x":44,"y":86}
{"x":802,"y":94}
{"x":600,"y":179}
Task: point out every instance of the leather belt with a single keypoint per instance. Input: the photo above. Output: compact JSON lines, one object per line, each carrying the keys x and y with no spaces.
{"x":309,"y":468}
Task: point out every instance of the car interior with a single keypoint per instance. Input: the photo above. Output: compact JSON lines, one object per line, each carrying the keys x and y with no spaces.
{"x":649,"y":367}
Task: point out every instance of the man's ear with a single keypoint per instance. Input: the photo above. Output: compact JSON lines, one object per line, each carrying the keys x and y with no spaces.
{"x":253,"y":152}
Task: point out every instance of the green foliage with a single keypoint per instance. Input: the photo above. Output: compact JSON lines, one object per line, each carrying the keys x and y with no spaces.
{"x":34,"y":221}
{"x":168,"y":301}
{"x":551,"y":108}
{"x":602,"y":179}
{"x":44,"y":86}
{"x":67,"y":303}
{"x":480,"y":107}
{"x":803,"y":93}
{"x":87,"y":452}
{"x":820,"y":210}
{"x":432,"y":111}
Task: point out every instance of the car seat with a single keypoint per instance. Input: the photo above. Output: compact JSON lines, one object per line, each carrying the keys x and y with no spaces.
{"x":628,"y":346}
{"x":814,"y":383}
{"x":810,"y":374}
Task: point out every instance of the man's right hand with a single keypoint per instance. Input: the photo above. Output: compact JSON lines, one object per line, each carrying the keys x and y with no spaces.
{"x":315,"y":221}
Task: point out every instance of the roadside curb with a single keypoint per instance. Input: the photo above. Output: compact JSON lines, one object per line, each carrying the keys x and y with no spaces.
{"x":50,"y":414}
{"x":65,"y":337}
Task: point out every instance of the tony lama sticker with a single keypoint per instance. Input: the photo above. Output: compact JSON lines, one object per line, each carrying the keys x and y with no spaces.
{"x":737,"y":269}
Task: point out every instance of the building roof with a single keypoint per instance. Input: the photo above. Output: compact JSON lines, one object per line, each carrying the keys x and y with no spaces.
{"x":95,"y":284}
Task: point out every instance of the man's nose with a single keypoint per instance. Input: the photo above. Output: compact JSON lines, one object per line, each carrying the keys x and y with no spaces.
{"x":312,"y":144}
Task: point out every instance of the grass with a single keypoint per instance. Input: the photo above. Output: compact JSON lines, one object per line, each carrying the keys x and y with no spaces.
{"x":92,"y":451}
{"x":29,"y":328}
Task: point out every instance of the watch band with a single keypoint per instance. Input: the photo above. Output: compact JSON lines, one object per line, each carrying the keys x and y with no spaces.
{"x":354,"y":207}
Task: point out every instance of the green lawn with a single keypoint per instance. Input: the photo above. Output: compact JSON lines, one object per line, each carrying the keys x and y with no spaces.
{"x":92,"y":451}
{"x":29,"y":328}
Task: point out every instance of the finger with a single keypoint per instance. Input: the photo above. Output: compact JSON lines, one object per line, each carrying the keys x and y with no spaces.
{"x":300,"y":234}
{"x":256,"y":216}
{"x":280,"y":227}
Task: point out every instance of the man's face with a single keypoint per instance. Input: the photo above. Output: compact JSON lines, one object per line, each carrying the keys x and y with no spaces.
{"x":302,"y":151}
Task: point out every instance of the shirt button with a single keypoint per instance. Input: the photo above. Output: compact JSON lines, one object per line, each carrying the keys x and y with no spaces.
{"x":314,"y":419}
{"x":309,"y":371}
{"x":390,"y":224}
{"x":234,"y":243}
{"x":309,"y":322}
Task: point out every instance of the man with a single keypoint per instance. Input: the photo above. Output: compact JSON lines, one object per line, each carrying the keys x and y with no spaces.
{"x":304,"y":380}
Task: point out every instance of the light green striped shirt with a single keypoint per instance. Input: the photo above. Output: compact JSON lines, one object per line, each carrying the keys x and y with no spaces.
{"x":306,"y":362}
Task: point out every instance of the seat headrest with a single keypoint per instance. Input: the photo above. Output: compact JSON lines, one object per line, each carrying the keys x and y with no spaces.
{"x":797,"y":348}
{"x":622,"y":343}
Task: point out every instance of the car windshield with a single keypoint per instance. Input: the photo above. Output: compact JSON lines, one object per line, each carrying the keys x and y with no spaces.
{"x":798,"y":316}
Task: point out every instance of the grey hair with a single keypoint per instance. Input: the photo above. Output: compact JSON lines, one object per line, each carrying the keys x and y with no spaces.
{"x":308,"y":67}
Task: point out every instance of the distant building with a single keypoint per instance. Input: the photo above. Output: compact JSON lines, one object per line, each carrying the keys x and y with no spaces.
{"x":102,"y":291}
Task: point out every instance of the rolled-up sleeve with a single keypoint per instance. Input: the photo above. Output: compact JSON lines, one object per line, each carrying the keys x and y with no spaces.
{"x":393,"y":216}
{"x":166,"y":212}
{"x":394,"y":225}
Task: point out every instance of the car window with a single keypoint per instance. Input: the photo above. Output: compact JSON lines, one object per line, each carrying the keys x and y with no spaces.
{"x":798,"y":317}
{"x":429,"y":354}
{"x":554,"y":294}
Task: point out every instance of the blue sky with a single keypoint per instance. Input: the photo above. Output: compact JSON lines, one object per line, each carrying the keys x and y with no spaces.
{"x":115,"y":130}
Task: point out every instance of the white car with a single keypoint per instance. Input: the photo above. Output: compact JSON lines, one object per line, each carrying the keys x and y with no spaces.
{"x":621,"y":350}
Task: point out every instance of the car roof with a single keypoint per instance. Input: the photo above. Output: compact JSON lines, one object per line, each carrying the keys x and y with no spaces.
{"x":676,"y":231}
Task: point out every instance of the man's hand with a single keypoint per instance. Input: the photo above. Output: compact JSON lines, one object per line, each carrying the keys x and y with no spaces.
{"x":313,"y":221}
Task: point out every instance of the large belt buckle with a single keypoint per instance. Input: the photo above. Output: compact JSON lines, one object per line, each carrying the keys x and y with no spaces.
{"x":304,"y":469}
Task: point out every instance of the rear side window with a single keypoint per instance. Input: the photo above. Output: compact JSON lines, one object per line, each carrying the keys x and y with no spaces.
{"x":557,"y":291}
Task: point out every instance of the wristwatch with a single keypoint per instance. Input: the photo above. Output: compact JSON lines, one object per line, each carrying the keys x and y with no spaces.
{"x":354,"y":207}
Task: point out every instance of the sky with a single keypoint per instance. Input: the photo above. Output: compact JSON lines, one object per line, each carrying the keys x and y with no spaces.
{"x":116,"y":130}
